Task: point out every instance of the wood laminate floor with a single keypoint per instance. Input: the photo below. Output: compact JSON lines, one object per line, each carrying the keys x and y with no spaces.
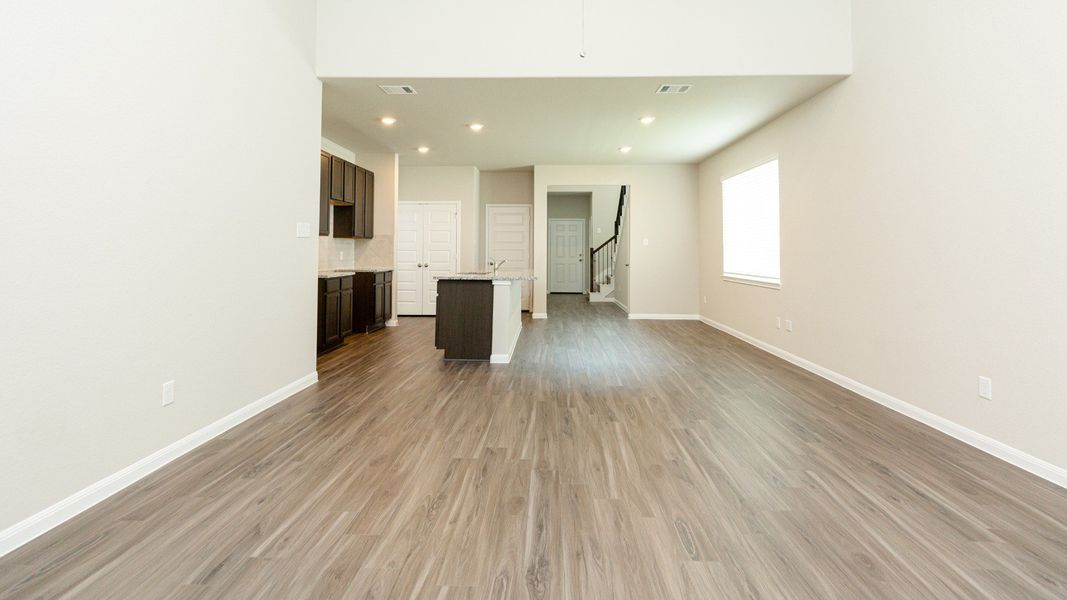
{"x":611,"y":459}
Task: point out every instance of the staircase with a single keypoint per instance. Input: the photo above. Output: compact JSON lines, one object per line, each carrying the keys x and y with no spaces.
{"x":603,"y":258}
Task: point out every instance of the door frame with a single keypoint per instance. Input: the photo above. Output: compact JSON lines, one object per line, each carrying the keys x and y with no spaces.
{"x":459,"y":236}
{"x":585,"y":255}
{"x":485,"y":237}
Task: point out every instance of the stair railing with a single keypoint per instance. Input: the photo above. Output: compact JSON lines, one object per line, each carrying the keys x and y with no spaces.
{"x":602,"y":258}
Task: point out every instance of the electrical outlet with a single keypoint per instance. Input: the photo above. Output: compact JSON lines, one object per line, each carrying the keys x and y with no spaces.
{"x":168,"y":393}
{"x":778,"y":322}
{"x":342,"y":254}
{"x":644,"y":242}
{"x":705,"y":299}
{"x":985,"y":388}
{"x":788,"y":325}
{"x":598,"y":230}
{"x":303,"y":230}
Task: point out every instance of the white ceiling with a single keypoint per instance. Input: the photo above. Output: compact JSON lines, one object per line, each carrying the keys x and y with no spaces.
{"x":557,"y":121}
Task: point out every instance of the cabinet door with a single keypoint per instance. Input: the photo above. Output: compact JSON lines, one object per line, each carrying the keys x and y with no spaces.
{"x":379,"y":303}
{"x":350,"y":183}
{"x":368,"y":212}
{"x":346,"y":312}
{"x":320,"y":324}
{"x":337,"y":179}
{"x":388,"y":308}
{"x":360,"y":201}
{"x":324,"y":194}
{"x":333,"y":318}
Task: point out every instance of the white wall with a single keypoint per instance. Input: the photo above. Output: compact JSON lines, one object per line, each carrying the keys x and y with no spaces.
{"x":923,"y":213}
{"x":501,"y":187}
{"x":571,"y":205}
{"x":506,"y":187}
{"x":481,"y":38}
{"x":380,"y":250}
{"x":621,"y":293}
{"x":603,"y":206}
{"x":449,"y":184}
{"x":663,"y":275}
{"x":156,"y":159}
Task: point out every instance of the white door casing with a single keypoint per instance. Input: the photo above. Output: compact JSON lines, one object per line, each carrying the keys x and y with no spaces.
{"x":407,"y":281}
{"x":427,"y":245}
{"x":508,"y":236}
{"x":566,"y":250}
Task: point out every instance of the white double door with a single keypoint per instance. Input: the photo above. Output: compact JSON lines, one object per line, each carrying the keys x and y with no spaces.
{"x":426,"y":247}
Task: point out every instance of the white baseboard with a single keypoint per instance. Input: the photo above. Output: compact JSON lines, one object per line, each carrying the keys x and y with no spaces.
{"x":539,"y":315}
{"x":38,"y":524}
{"x":392,"y":322}
{"x":1014,"y":456}
{"x":663,"y":317}
{"x":503,"y":359}
{"x":596,"y":297}
{"x":625,"y":309}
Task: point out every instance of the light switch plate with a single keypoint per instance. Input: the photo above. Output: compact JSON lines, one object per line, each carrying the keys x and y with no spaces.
{"x":985,"y":388}
{"x":303,"y":230}
{"x":644,"y":242}
{"x":168,"y":393}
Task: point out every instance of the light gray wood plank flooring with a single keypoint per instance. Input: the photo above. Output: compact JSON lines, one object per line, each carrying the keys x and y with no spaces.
{"x":611,"y":459}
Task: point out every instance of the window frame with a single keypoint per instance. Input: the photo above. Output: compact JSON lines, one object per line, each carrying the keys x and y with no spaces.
{"x":753,"y":280}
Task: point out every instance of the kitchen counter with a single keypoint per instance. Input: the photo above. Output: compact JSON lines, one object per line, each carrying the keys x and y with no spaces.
{"x":487,"y":276}
{"x":329,"y":274}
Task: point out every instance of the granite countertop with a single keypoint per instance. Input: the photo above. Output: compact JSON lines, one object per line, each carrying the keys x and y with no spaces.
{"x":330,"y":274}
{"x":488,"y":276}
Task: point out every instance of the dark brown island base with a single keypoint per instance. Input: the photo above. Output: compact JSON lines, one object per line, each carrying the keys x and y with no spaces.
{"x":479,"y":316}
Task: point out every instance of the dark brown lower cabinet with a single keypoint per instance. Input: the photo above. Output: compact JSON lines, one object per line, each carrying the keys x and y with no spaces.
{"x":346,"y":306}
{"x":464,"y":324}
{"x":335,"y":312}
{"x":373,"y":300}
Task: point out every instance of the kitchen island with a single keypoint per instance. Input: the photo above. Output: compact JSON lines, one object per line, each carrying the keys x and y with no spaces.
{"x":479,"y":315}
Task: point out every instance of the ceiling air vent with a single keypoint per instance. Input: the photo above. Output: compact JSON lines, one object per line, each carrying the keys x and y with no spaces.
{"x":673,"y":88}
{"x":402,"y":90}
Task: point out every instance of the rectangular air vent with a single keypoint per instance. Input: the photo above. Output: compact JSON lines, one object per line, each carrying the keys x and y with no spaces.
{"x":673,"y":88}
{"x":403,"y":90}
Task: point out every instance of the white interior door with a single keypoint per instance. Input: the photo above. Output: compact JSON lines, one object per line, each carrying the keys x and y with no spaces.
{"x":439,"y":249}
{"x":408,"y":278}
{"x":427,"y":245}
{"x":566,"y":249}
{"x":508,"y":237}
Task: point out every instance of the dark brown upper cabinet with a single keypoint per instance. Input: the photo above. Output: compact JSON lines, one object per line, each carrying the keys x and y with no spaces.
{"x":324,"y":193}
{"x":337,"y":180}
{"x":349,"y":189}
{"x":350,"y":184}
{"x":368,"y":213}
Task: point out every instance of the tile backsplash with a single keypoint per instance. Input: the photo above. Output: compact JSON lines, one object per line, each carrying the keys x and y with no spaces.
{"x":375,"y":252}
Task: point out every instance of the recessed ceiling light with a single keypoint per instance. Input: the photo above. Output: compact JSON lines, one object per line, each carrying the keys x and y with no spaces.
{"x":423,"y":149}
{"x":387,"y":121}
{"x":475,"y":126}
{"x":625,"y":149}
{"x":647,"y":120}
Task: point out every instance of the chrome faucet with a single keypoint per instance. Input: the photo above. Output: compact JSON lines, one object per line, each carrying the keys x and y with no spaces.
{"x":496,"y":265}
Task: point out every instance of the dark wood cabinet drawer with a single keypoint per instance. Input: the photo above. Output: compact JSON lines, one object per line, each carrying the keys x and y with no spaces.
{"x":346,"y":282}
{"x":333,"y":284}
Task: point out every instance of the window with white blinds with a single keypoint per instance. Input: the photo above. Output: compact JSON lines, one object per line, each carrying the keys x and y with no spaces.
{"x":750,"y":242}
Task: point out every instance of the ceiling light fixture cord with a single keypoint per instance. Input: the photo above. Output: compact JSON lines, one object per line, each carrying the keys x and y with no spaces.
{"x":581,"y":51}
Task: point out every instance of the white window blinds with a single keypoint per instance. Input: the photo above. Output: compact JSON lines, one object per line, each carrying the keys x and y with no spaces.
{"x":750,"y":241}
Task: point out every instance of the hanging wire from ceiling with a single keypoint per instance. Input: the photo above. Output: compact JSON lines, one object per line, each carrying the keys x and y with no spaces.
{"x":581,"y":51}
